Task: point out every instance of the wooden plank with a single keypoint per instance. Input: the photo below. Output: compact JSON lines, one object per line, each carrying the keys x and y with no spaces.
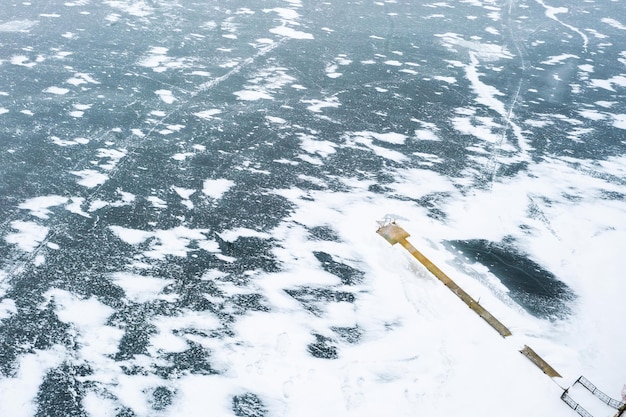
{"x":541,"y":364}
{"x":393,"y":233}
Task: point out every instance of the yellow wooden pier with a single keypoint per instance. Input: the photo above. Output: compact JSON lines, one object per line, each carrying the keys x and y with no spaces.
{"x":395,"y":234}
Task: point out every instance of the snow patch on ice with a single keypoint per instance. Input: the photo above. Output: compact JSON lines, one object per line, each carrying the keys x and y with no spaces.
{"x":366,"y":138}
{"x":90,"y":178}
{"x":608,"y":84}
{"x":81,"y":78}
{"x":208,"y":114}
{"x":316,"y":105}
{"x":56,"y":90}
{"x":111,"y":156}
{"x":29,"y":235}
{"x":613,"y":23}
{"x":163,"y":243}
{"x":234,"y":234}
{"x":312,"y":145}
{"x":166,"y":95}
{"x":39,"y":206}
{"x":216,"y":188}
{"x":17,"y":25}
{"x":7,"y":308}
{"x":141,"y":288}
{"x":288,"y":32}
{"x":483,"y":51}
{"x":137,"y":8}
{"x":252,"y":95}
{"x":131,"y":236}
{"x":19,"y":393}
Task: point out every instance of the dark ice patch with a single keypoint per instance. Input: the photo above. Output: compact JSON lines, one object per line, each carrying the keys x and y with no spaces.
{"x":194,"y":360}
{"x":323,"y":348}
{"x":324,"y":233}
{"x":125,"y":412}
{"x":242,"y":207}
{"x":32,"y":328}
{"x":248,"y":405}
{"x":378,"y":189}
{"x":61,"y":393}
{"x":536,"y":289}
{"x":251,"y":253}
{"x":311,"y":297}
{"x":348,"y":334}
{"x":161,"y":398}
{"x":135,"y":321}
{"x":249,"y":302}
{"x":433,"y":203}
{"x":613,"y":195}
{"x":347,"y":274}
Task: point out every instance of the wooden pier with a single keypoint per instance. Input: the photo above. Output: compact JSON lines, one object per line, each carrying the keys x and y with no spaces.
{"x":395,"y":234}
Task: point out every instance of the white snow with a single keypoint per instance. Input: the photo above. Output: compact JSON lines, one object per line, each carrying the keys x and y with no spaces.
{"x":426,"y":134}
{"x":90,"y":178}
{"x":618,"y":80}
{"x":141,"y":288}
{"x":38,"y":206}
{"x":61,"y":142}
{"x":56,"y":90}
{"x":558,"y":59}
{"x":252,"y":95}
{"x":166,"y":95}
{"x":29,"y":235}
{"x":312,"y":145}
{"x":163,"y":243}
{"x":290,"y":33}
{"x":20,"y":391}
{"x":613,"y":23}
{"x":17,"y":25}
{"x":75,"y":206}
{"x":22,"y":60}
{"x":276,"y":120}
{"x":112,"y":157}
{"x":184,"y":193}
{"x":157,"y":202}
{"x":389,"y":137}
{"x":316,"y":105}
{"x":284,"y":13}
{"x":174,"y":242}
{"x":366,"y":138}
{"x":138,"y":8}
{"x":7,"y":308}
{"x":81,"y":78}
{"x":131,"y":236}
{"x":619,"y":120}
{"x":182,"y":156}
{"x":216,"y":188}
{"x":232,"y":235}
{"x":208,"y":114}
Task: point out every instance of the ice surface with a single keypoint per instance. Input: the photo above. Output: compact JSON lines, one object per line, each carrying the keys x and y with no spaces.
{"x":190,"y":193}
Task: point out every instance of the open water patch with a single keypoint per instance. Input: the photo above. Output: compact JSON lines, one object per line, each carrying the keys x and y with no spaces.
{"x":533,"y":287}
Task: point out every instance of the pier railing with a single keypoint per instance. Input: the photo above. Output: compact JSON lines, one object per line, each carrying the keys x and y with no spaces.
{"x":599,"y":394}
{"x":574,"y":405}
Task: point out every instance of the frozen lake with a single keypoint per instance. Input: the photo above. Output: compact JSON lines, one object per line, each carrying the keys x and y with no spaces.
{"x":190,"y":189}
